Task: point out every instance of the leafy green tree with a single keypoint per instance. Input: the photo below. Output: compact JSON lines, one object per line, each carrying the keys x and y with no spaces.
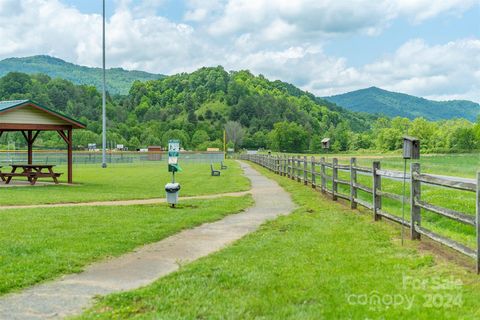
{"x":134,"y":143}
{"x":288,"y":137}
{"x":199,"y":137}
{"x":176,"y":134}
{"x":464,"y":139}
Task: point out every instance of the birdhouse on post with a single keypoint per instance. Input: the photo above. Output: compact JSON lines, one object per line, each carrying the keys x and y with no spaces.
{"x":411,"y":148}
{"x":326,"y":143}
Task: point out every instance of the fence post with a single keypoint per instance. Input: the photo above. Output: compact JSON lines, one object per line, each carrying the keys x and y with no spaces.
{"x":288,"y":167}
{"x":284,"y":165}
{"x":294,"y":168}
{"x":334,"y":179}
{"x":280,"y":165}
{"x":299,"y":159}
{"x":313,"y":173}
{"x":415,"y":193}
{"x":305,"y":173}
{"x":323,"y":173}
{"x":377,"y":186}
{"x":477,"y":222}
{"x":353,"y":182}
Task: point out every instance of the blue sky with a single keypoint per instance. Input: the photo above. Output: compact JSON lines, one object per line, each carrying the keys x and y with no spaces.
{"x":421,"y":47}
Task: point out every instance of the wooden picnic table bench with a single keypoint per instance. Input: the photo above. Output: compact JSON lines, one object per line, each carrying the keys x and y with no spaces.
{"x":32,"y":172}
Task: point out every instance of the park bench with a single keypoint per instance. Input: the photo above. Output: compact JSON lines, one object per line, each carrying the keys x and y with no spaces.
{"x":1,"y":174}
{"x":214,"y":172}
{"x":222,"y":166}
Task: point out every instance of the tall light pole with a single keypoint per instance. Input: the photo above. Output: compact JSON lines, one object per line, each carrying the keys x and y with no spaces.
{"x":104,"y":103}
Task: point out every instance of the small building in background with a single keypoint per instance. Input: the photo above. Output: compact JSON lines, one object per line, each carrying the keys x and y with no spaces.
{"x":213,"y":149}
{"x":155,"y":153}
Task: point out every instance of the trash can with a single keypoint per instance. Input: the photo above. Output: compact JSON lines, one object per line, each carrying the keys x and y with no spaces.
{"x":172,"y":190}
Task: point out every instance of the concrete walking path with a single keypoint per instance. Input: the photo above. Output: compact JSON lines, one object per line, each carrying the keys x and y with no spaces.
{"x":122,"y":202}
{"x":70,"y":294}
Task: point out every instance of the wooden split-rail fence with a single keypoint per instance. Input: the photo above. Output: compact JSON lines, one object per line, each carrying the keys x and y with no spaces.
{"x":310,"y":171}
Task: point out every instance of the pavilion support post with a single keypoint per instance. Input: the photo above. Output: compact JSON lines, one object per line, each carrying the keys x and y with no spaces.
{"x":68,"y":138}
{"x":30,"y":146}
{"x":70,"y":156}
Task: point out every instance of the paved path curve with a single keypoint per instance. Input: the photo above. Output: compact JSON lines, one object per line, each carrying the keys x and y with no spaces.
{"x":70,"y":294}
{"x":122,"y":202}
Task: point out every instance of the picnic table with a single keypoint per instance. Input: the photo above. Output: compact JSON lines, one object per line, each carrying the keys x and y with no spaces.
{"x":32,"y":172}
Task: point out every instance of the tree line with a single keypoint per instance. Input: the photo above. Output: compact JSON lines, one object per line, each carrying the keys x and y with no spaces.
{"x":197,"y":107}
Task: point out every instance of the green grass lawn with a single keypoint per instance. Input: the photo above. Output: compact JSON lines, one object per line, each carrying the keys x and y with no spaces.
{"x":40,"y":244}
{"x":129,"y":181}
{"x":324,"y":261}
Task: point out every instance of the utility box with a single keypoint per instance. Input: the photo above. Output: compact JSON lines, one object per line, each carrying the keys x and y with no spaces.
{"x":411,"y":148}
{"x":172,"y":190}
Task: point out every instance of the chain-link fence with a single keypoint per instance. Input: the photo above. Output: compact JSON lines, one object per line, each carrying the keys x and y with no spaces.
{"x":83,"y":157}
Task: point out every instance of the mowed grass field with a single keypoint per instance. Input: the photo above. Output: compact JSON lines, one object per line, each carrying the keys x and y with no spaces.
{"x":128,"y":181}
{"x":41,"y":244}
{"x":324,"y":261}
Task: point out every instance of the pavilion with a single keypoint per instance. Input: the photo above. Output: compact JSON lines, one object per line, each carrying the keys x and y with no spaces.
{"x":30,"y":119}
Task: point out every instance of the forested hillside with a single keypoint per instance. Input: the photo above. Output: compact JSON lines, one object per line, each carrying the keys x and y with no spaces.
{"x":377,"y":101}
{"x":119,"y":80}
{"x":197,"y":107}
{"x":193,"y":107}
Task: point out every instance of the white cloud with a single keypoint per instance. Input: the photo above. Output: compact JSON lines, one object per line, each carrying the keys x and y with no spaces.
{"x":201,"y":10}
{"x":420,"y":10}
{"x":134,"y":39}
{"x":37,"y":27}
{"x":326,"y":17}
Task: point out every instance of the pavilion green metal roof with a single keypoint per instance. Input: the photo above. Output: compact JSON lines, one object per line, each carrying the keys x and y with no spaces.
{"x":6,"y":105}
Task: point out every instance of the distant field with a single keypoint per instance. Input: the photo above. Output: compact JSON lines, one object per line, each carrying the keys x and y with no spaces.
{"x":129,"y":181}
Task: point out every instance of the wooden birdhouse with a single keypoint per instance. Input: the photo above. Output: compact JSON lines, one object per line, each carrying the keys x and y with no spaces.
{"x":326,"y":143}
{"x":411,"y":148}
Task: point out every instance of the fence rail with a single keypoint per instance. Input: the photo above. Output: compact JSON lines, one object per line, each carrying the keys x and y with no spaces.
{"x":305,"y":170}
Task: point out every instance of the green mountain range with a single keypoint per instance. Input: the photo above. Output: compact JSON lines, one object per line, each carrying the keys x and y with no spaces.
{"x":378,"y":101}
{"x":119,"y":81}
